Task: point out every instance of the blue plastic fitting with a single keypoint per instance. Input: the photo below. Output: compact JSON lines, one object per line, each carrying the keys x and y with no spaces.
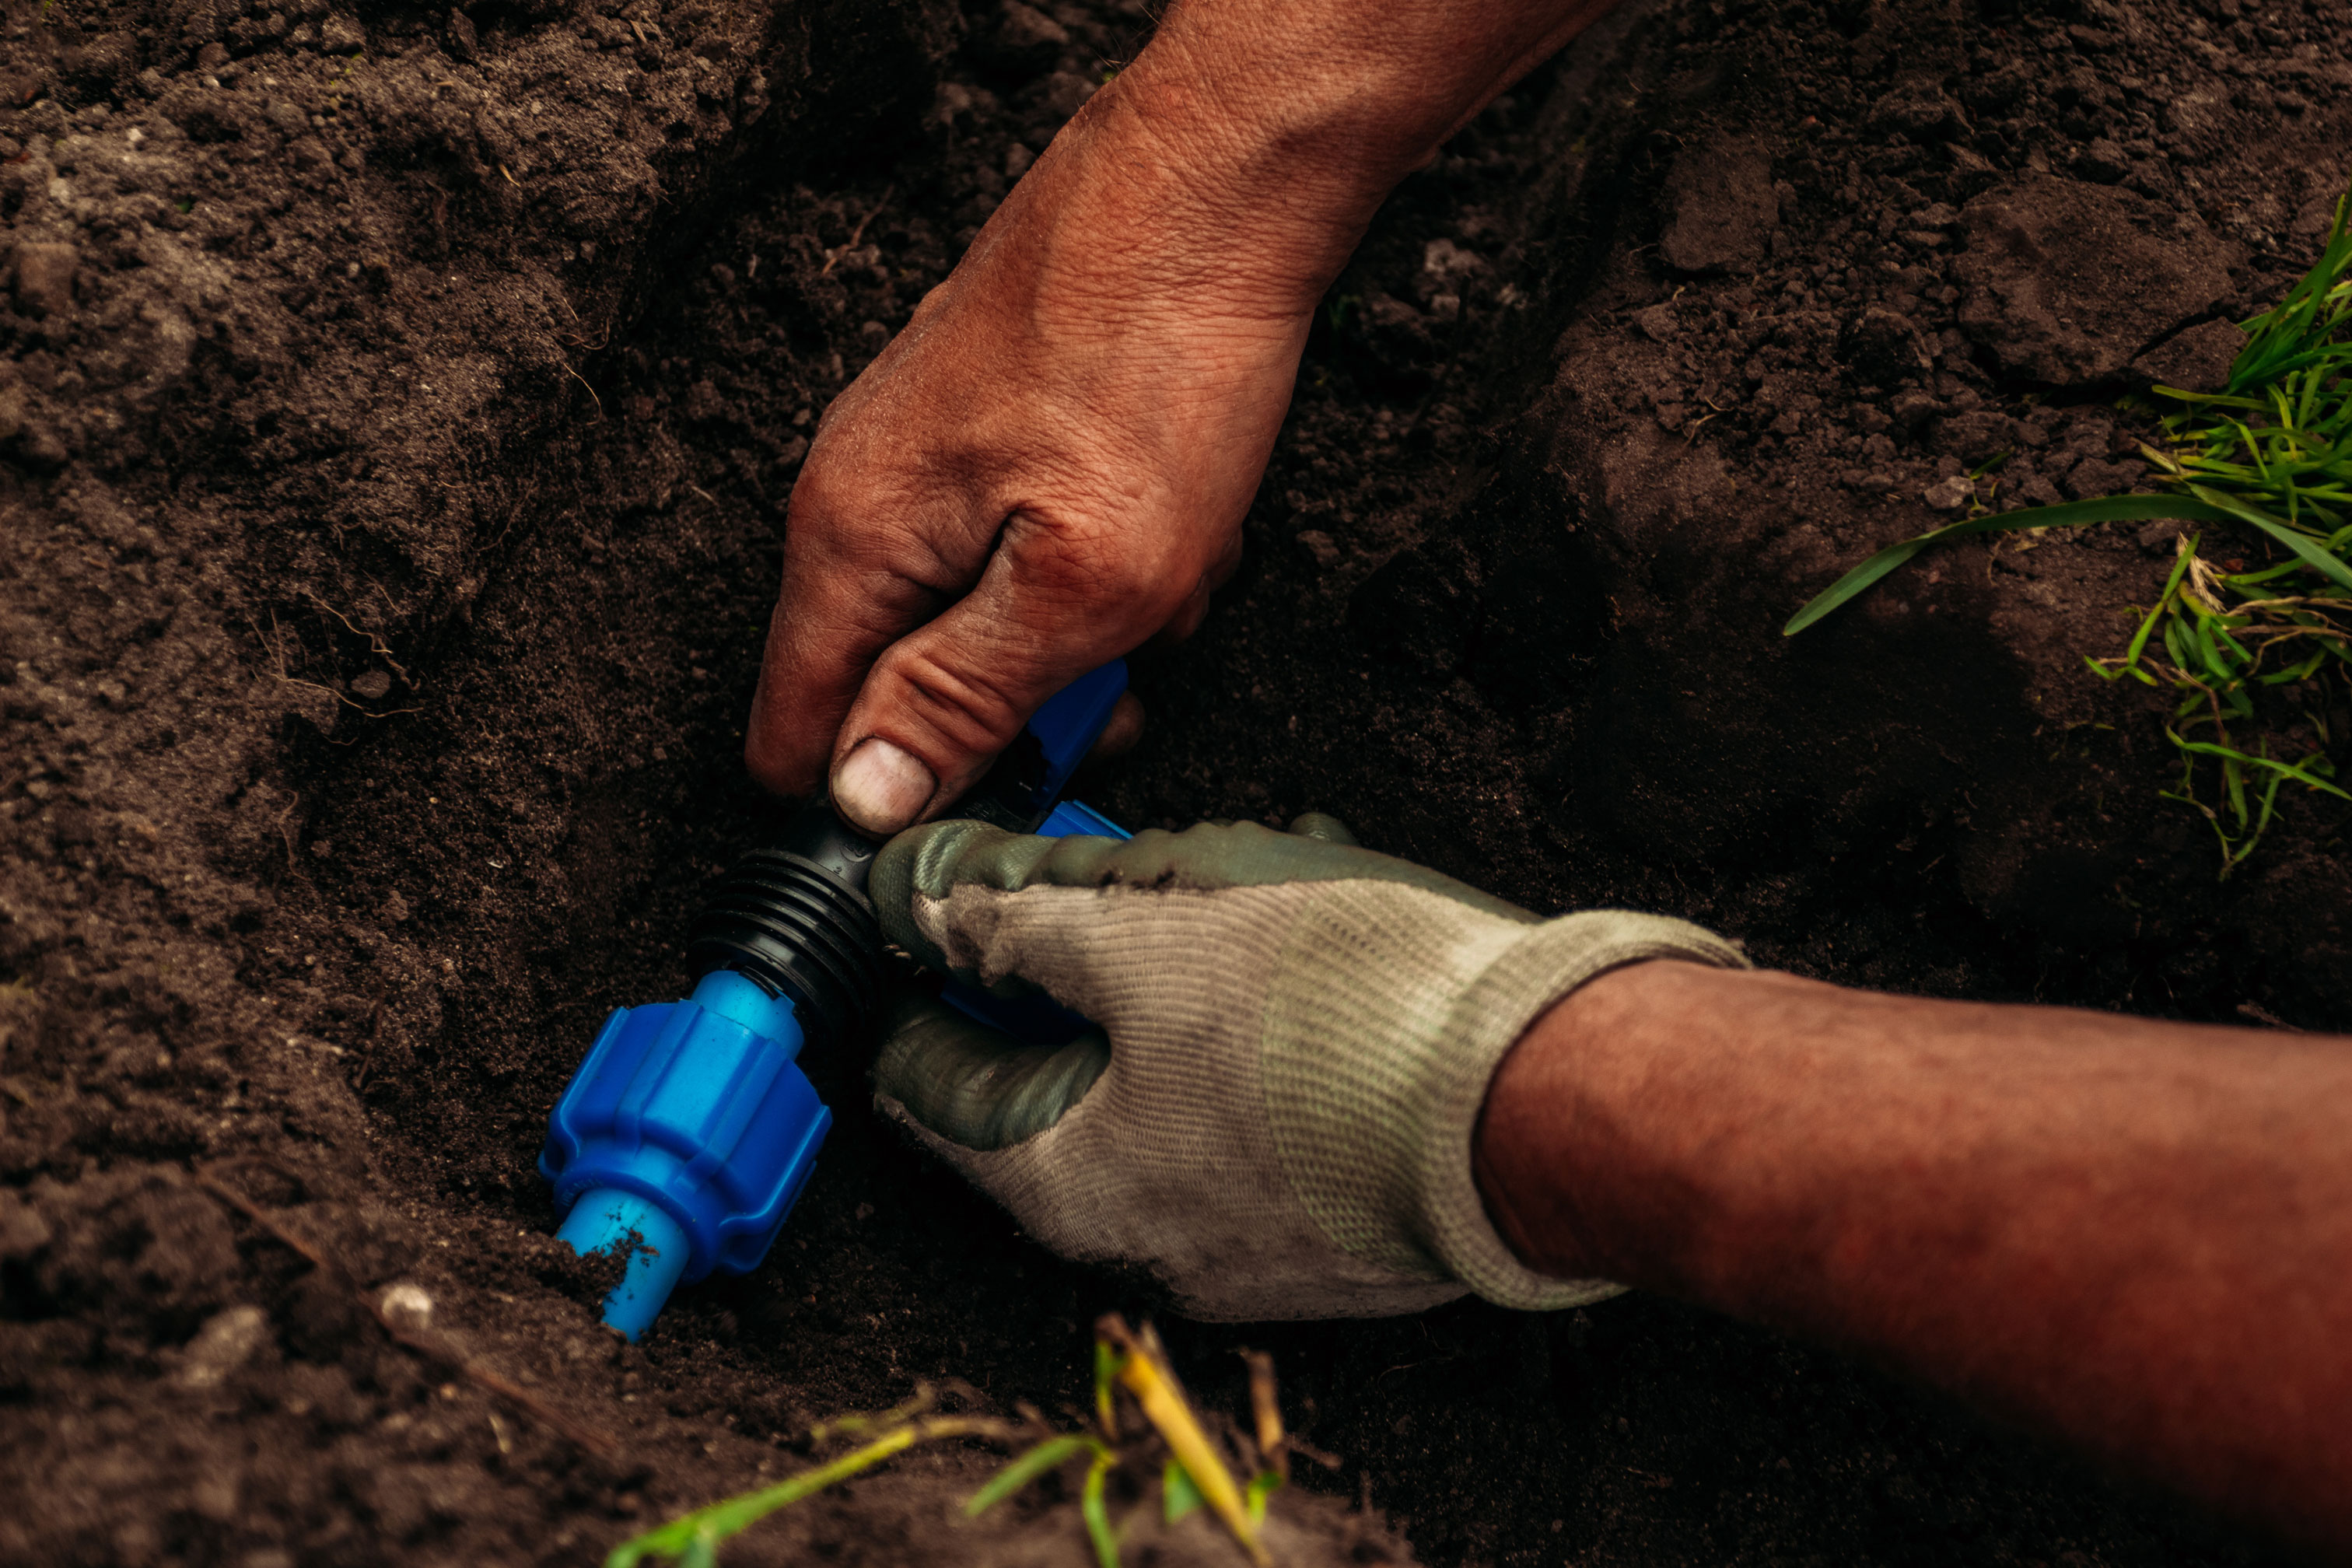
{"x":1076,"y":819}
{"x":1066,"y":726}
{"x":685,"y":1136}
{"x":690,"y":1130}
{"x":1027,"y":777}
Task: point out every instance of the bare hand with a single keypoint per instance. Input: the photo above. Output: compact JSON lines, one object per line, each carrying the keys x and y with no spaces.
{"x":1051,"y":464}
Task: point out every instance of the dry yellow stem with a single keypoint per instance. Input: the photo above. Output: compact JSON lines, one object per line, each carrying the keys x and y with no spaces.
{"x":1273,"y":1447}
{"x":1145,"y":1374}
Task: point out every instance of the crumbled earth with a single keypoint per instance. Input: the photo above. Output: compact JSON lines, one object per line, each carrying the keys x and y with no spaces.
{"x":397,"y":409}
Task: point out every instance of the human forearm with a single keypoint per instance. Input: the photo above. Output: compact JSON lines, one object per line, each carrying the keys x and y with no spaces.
{"x":1252,"y":144}
{"x":2136,"y":1235}
{"x":1346,"y":97}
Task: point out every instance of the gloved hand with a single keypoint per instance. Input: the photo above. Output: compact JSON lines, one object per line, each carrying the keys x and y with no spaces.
{"x":1296,"y":1034}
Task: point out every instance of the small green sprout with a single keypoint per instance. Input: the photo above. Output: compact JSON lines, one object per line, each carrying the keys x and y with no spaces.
{"x":692,"y":1541}
{"x":1193,"y":1470}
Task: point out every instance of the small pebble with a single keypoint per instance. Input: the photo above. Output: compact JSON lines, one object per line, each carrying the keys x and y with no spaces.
{"x":406,"y":1308}
{"x":1949,"y":494}
{"x":225,"y":1343}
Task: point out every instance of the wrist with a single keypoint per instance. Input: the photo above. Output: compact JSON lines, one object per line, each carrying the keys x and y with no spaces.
{"x":1356,"y":99}
{"x":1321,"y":107}
{"x":1558,"y":1146}
{"x":1524,"y":996}
{"x":1221,"y":167}
{"x":1255,"y":116}
{"x":1532,"y":1130}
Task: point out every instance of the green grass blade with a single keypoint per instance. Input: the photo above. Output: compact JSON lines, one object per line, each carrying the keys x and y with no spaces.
{"x":1047,"y":1455}
{"x":2272,"y":765}
{"x":2276,"y":337}
{"x":1855,"y":581}
{"x":2262,"y":821}
{"x":1097,"y":1511}
{"x":732,"y":1515}
{"x":2312,"y":553}
{"x":1107,"y":1360}
{"x":1178,"y":1495}
{"x":2171,"y":586}
{"x":1263,"y":1485}
{"x":2300,"y":670}
{"x":2266,"y":574}
{"x":2200,"y":633}
{"x":2069,"y":514}
{"x":2121,"y":669}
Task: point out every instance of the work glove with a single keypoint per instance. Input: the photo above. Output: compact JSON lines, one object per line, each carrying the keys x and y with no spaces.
{"x":1292,"y":1038}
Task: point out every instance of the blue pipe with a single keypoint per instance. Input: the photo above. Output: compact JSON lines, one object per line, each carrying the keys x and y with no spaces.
{"x":606,"y":1217}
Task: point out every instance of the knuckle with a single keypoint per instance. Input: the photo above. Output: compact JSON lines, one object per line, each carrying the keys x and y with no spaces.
{"x":824,"y":490}
{"x":1099,"y":566}
{"x":1133,"y":577}
{"x":966,"y":709}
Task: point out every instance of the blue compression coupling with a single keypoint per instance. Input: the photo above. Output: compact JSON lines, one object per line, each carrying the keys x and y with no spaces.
{"x":687,"y":1133}
{"x":685,"y":1136}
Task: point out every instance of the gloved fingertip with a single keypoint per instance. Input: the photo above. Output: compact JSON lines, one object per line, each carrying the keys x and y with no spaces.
{"x":1321,"y":825}
{"x":975,"y":1087}
{"x":923,"y":860}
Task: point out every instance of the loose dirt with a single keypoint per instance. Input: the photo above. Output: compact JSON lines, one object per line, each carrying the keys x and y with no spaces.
{"x":397,"y":417}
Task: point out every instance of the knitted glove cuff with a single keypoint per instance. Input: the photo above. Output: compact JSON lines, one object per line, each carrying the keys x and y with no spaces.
{"x":1508,"y":996}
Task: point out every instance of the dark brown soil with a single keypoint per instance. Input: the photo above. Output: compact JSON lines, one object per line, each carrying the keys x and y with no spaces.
{"x":392,"y":455}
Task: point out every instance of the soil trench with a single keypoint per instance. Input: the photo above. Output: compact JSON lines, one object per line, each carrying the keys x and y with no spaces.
{"x":396,"y":419}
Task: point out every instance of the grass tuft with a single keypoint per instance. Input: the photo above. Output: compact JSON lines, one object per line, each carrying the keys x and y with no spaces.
{"x":2250,"y":652}
{"x":1170,"y":1440}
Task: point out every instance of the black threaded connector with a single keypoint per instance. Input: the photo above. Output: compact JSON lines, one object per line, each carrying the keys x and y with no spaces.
{"x":795,"y":919}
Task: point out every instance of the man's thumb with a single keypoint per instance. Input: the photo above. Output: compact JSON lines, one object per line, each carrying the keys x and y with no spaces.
{"x":941,"y":701}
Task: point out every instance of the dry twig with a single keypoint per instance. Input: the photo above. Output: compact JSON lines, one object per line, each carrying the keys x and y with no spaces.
{"x":431,"y":1346}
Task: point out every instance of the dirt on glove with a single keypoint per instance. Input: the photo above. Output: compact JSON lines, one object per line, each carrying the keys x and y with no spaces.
{"x":397,"y":409}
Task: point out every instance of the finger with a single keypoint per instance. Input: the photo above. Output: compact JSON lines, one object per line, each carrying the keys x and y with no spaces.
{"x":848,"y":592}
{"x":930,"y":861}
{"x":1188,"y":616}
{"x":1323,"y":826}
{"x":1228,"y":561}
{"x":976,"y":1086}
{"x":945,"y":698}
{"x":1122,"y":731}
{"x":1195,"y":609}
{"x":930,"y":887}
